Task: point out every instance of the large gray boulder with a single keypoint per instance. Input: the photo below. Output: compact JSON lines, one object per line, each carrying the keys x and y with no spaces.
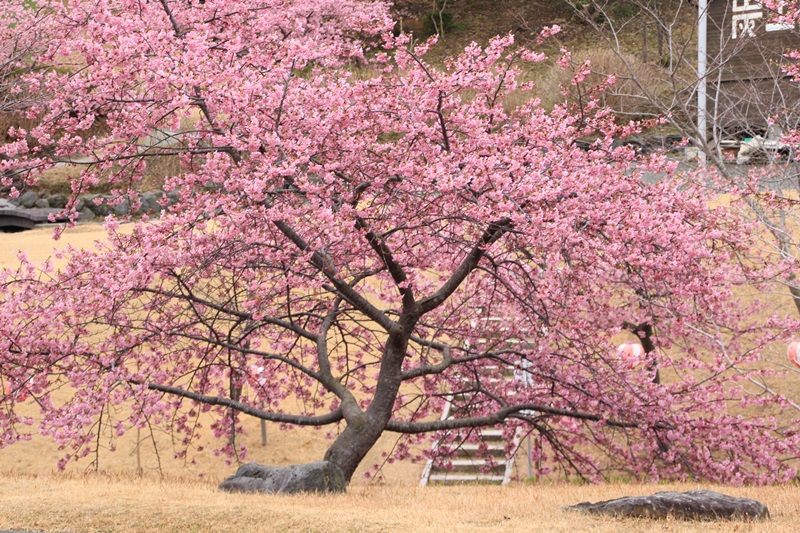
{"x":95,"y":204}
{"x":123,"y":208}
{"x":150,"y":202}
{"x":692,"y":505}
{"x":58,"y":201}
{"x":28,"y":199}
{"x":173,"y":197}
{"x":87,"y":214}
{"x":322,"y":476}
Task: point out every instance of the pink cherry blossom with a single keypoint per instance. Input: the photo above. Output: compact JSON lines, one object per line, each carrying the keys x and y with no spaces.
{"x":369,"y":245}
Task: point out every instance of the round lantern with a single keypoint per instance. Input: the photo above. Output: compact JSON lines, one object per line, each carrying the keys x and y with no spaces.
{"x":631,"y":352}
{"x":792,"y":352}
{"x":256,"y":379}
{"x":19,"y":396}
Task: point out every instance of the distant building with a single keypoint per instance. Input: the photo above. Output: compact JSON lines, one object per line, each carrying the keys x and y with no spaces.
{"x":746,"y":50}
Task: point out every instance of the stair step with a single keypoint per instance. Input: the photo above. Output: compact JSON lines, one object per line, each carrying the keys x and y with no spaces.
{"x":477,"y":463}
{"x":465,"y":477}
{"x":474,"y":447}
{"x":466,"y":466}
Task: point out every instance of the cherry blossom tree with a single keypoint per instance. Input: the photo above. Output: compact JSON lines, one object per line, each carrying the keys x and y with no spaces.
{"x":20,"y":37}
{"x":370,"y":244}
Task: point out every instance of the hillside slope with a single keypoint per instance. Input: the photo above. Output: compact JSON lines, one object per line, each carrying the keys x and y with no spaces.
{"x":480,"y":20}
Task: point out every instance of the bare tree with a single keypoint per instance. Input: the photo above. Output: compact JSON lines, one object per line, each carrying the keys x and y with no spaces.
{"x":751,"y":100}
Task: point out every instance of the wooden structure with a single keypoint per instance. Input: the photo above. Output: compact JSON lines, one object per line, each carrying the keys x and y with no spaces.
{"x":743,"y":43}
{"x":746,"y":53}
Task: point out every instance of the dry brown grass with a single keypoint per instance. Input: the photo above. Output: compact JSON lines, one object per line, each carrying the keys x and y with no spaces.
{"x":103,"y":503}
{"x":12,"y":120}
{"x":57,"y":180}
{"x":637,"y":83}
{"x":33,"y":497}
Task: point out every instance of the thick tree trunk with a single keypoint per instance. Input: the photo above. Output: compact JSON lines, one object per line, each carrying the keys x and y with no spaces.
{"x":645,"y":334}
{"x":364,"y":430}
{"x":353,"y":444}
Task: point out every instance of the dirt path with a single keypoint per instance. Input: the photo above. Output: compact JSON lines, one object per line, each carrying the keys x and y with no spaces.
{"x":38,"y":242}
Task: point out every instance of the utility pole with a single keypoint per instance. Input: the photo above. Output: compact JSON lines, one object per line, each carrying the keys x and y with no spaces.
{"x":702,"y":28}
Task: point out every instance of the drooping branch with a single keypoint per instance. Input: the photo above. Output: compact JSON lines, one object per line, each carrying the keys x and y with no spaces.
{"x":241,"y":315}
{"x":448,"y":361}
{"x":299,"y":420}
{"x":502,"y":415}
{"x":426,"y":370}
{"x":265,"y":356}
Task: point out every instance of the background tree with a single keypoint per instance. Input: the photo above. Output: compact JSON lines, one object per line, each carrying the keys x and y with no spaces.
{"x":342,"y":241}
{"x":21,"y":36}
{"x":756,"y":104}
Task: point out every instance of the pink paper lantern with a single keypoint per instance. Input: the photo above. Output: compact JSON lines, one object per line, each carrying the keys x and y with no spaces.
{"x":631,"y":352}
{"x":19,"y":396}
{"x":792,"y":352}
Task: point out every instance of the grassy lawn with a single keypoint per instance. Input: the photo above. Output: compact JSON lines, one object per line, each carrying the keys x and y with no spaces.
{"x":122,"y":503}
{"x":184,"y":497}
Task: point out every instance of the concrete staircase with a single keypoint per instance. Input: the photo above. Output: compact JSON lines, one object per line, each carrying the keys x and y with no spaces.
{"x":469,"y":464}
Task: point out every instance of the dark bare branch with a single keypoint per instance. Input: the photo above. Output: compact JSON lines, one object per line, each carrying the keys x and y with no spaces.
{"x":492,"y":234}
{"x":385,"y":253}
{"x":299,"y":420}
{"x":173,"y":22}
{"x":242,"y":315}
{"x":442,"y":124}
{"x":500,"y":416}
{"x":425,"y":370}
{"x":322,"y":262}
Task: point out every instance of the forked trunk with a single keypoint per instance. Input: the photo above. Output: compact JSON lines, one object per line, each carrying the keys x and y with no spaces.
{"x":364,"y":430}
